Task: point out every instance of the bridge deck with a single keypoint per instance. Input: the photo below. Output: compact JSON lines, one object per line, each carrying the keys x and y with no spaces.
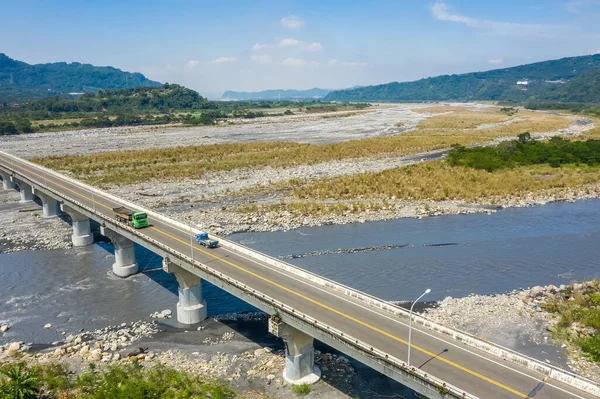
{"x":477,"y":372}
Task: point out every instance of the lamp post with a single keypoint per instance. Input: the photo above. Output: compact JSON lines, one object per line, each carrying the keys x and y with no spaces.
{"x":192,"y":242}
{"x":427,"y":291}
{"x":92,"y":191}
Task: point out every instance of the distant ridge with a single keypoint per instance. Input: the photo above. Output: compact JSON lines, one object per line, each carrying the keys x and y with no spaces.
{"x":567,"y":79}
{"x":275,"y":94}
{"x":19,"y":80}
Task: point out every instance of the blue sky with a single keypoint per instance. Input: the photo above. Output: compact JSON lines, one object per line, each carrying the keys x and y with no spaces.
{"x":241,"y":45}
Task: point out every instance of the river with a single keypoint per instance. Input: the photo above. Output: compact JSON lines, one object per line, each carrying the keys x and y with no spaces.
{"x":453,"y":255}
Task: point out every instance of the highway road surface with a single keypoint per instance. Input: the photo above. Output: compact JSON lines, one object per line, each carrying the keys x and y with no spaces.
{"x":474,"y":371}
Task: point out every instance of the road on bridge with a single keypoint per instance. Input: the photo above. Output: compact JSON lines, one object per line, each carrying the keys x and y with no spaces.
{"x":474,"y":371}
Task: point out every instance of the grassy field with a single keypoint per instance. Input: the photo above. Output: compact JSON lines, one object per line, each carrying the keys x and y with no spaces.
{"x":192,"y":162}
{"x":466,"y":118}
{"x":435,"y":181}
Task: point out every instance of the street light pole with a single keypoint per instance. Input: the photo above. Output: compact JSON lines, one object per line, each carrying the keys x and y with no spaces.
{"x":92,"y":192}
{"x":191,"y":243}
{"x":427,"y":291}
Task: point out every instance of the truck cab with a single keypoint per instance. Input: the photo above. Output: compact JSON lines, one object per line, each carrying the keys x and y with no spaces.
{"x":139,"y":220}
{"x":203,"y":239}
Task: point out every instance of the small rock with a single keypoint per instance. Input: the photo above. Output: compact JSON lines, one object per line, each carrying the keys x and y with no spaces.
{"x":4,"y":328}
{"x":48,"y":326}
{"x":14,"y":347}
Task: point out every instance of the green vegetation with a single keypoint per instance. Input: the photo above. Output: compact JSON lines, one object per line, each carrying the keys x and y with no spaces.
{"x":192,"y":162}
{"x":525,"y":151}
{"x":579,"y":317}
{"x":169,"y":103}
{"x":19,"y":80}
{"x":18,"y":384}
{"x":127,"y":381}
{"x":438,"y":181}
{"x":301,"y":390}
{"x":545,"y":82}
{"x":578,"y":108}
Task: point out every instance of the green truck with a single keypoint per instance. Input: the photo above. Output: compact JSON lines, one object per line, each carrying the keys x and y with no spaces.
{"x":133,"y":218}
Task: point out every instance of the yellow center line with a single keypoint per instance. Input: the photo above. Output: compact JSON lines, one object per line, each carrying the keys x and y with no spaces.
{"x":271,"y":282}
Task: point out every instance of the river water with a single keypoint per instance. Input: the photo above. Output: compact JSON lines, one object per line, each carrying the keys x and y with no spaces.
{"x":453,"y":255}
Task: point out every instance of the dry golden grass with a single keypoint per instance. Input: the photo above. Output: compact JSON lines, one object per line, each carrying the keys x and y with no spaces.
{"x":437,"y":181}
{"x":465,"y":119}
{"x":438,"y":109}
{"x":192,"y":162}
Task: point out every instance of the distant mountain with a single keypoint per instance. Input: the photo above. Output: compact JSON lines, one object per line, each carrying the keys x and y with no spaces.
{"x":580,"y":89}
{"x":19,"y":80}
{"x":566,"y":79}
{"x":275,"y":94}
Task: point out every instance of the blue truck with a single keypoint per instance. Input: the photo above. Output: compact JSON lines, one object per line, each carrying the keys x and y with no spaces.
{"x":203,"y":239}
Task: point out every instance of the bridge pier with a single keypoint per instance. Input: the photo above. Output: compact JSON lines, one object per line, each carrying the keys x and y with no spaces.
{"x":125,"y":264}
{"x":82,"y":233}
{"x":191,"y":308}
{"x":300,"y":365}
{"x":7,"y":184}
{"x":50,"y":206}
{"x":26,"y":192}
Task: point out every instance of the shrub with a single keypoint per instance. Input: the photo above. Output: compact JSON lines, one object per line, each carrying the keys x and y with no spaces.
{"x":19,"y":383}
{"x":301,"y":390}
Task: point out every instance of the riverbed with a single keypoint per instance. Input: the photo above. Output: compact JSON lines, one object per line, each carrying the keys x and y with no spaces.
{"x":396,"y":260}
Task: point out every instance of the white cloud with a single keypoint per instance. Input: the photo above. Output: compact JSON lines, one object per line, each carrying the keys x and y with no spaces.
{"x":580,"y":6}
{"x":290,"y":42}
{"x":294,"y":62}
{"x":292,"y":22}
{"x":192,"y":63}
{"x":315,"y":46}
{"x":496,"y":61}
{"x":261,"y":58}
{"x":354,"y":64}
{"x":440,"y":11}
{"x":258,"y":47}
{"x":224,"y":60}
{"x":332,"y":62}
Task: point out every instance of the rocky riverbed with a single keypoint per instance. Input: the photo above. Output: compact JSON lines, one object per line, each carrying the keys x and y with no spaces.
{"x":518,"y":316}
{"x":216,"y":350}
{"x":22,"y":226}
{"x":212,"y":201}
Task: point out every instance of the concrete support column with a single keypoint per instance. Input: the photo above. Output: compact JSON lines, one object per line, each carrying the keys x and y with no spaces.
{"x":191,"y":308}
{"x":26,"y":192}
{"x":300,"y":365}
{"x":50,"y":206}
{"x":82,"y":233}
{"x":125,"y":264}
{"x":7,"y":184}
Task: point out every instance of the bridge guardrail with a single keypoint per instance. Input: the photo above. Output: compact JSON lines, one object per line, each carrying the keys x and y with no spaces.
{"x":510,"y":355}
{"x":426,"y":379}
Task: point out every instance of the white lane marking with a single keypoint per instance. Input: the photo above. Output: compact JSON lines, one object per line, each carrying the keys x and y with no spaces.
{"x":306,"y":282}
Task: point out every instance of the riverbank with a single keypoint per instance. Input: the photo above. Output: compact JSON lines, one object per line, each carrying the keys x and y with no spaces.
{"x":521,"y":316}
{"x":22,"y":226}
{"x":236,"y":352}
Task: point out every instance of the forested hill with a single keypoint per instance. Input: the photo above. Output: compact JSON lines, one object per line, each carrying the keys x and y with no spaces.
{"x":275,"y":94}
{"x":19,"y":80}
{"x":541,"y":81}
{"x":166,"y":98}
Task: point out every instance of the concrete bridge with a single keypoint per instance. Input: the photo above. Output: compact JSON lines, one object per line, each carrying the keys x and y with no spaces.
{"x":445,"y":363}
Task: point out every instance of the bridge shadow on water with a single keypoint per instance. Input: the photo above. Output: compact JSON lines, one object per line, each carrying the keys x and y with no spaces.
{"x":228,"y":313}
